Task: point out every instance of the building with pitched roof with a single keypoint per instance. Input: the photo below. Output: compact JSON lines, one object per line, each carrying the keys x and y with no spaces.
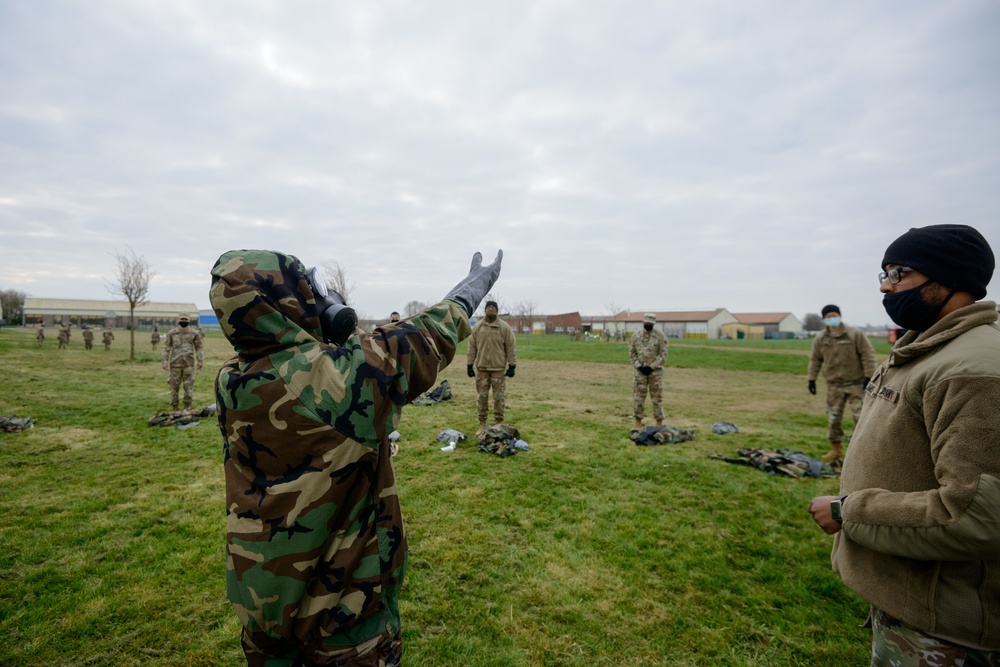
{"x":100,"y":314}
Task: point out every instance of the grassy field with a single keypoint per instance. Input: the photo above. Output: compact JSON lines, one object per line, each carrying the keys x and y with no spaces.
{"x":584,"y":551}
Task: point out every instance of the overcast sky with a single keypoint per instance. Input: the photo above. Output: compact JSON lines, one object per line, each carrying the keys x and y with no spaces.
{"x":647,"y":155}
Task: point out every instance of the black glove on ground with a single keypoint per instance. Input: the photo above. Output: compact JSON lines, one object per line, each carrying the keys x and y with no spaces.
{"x":645,"y":370}
{"x":471,"y":372}
{"x":475,"y":286}
{"x":812,"y":386}
{"x":510,"y":371}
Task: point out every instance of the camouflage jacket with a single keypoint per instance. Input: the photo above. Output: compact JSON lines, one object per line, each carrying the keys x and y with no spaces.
{"x":648,"y":348}
{"x":492,"y":346}
{"x":88,"y":335}
{"x":180,"y":346}
{"x":107,"y":336}
{"x":315,"y":542}
{"x":845,"y":355}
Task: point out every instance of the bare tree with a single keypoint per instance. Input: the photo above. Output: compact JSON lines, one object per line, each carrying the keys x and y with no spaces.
{"x":132,"y":278}
{"x":612,"y":309}
{"x":12,"y":306}
{"x":336,"y":280}
{"x":812,"y":322}
{"x":413,"y":308}
{"x":525,"y":311}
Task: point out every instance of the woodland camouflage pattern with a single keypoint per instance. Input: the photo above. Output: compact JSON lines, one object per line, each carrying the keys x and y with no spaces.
{"x":315,"y":544}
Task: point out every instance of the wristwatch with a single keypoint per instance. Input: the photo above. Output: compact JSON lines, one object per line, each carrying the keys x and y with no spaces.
{"x":837,"y":509}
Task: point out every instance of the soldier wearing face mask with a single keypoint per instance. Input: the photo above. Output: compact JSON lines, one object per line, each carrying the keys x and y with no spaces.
{"x":182,"y":349}
{"x":647,"y":351}
{"x":492,"y":348}
{"x":847,"y":359}
{"x":916,"y":521}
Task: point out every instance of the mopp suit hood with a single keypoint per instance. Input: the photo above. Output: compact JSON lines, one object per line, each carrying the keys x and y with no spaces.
{"x":315,"y":540}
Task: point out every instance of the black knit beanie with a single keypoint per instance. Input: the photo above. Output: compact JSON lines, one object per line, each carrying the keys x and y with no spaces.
{"x":491,"y":303}
{"x":830,"y":309}
{"x":957,"y":256}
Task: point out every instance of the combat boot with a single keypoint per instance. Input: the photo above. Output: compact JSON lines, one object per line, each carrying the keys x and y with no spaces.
{"x":659,"y":422}
{"x":637,"y":426}
{"x":482,"y":427}
{"x":173,"y":408}
{"x":835,"y":453}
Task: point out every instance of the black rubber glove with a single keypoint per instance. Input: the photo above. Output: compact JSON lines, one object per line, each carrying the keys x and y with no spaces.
{"x":812,"y":387}
{"x":471,"y":372}
{"x":645,"y":370}
{"x":475,"y":286}
{"x":510,"y":371}
{"x":864,"y":382}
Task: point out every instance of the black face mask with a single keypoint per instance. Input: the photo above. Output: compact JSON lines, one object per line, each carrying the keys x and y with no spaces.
{"x":182,"y":324}
{"x":647,"y":327}
{"x":910,"y":311}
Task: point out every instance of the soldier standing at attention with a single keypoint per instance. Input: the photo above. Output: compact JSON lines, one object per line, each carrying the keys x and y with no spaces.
{"x":106,"y":338}
{"x":180,"y":348}
{"x":492,"y":348}
{"x":88,"y":337}
{"x":848,"y":360}
{"x":64,"y":337}
{"x":648,"y":352}
{"x":40,"y":336}
{"x":154,"y":338}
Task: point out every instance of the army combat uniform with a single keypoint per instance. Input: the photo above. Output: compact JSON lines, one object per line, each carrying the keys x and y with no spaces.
{"x":847,"y":358}
{"x":648,"y":348}
{"x":154,"y":338}
{"x":180,"y":348}
{"x":106,"y":338}
{"x":88,"y":339}
{"x":492,"y":349}
{"x":63,"y":338}
{"x":315,"y":545}
{"x":40,"y":336}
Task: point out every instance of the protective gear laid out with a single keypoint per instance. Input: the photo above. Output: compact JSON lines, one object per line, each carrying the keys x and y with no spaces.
{"x":315,"y":544}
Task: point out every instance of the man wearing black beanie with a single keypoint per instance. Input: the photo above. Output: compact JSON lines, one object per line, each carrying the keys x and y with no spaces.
{"x":917,"y":523}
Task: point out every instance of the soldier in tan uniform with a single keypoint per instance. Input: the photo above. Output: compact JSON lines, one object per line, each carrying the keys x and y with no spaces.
{"x":88,"y":338}
{"x":40,"y":336}
{"x":181,"y":351}
{"x":492,"y":349}
{"x":848,"y":361}
{"x":106,"y":338}
{"x":648,"y":352}
{"x":64,"y":337}
{"x":154,"y":338}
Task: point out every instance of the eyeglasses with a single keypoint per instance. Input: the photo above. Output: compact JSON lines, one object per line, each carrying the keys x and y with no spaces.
{"x":894,"y":275}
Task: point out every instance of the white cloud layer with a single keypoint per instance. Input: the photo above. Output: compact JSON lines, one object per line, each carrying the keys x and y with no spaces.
{"x":653,"y":155}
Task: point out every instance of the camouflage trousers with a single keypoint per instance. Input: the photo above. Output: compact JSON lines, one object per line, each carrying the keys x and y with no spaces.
{"x":485,"y":381}
{"x":88,"y":345}
{"x":261,"y":650}
{"x":181,"y":375}
{"x":63,"y":344}
{"x":838,"y":397}
{"x":647,"y":384}
{"x":895,"y":644}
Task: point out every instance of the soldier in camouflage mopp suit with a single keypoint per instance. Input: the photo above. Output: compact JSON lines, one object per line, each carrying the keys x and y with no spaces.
{"x":315,"y":543}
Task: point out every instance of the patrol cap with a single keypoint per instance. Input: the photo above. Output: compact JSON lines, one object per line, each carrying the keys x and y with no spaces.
{"x":649,"y":317}
{"x":183,"y":317}
{"x":957,"y":256}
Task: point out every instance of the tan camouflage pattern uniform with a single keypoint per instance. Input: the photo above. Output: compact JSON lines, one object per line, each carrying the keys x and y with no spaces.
{"x":106,"y":338}
{"x":154,"y":338}
{"x":63,"y":338}
{"x":648,"y":348}
{"x":180,"y":348}
{"x":88,"y":339}
{"x":492,"y":349}
{"x":40,"y":336}
{"x":895,"y":644}
{"x":847,"y":358}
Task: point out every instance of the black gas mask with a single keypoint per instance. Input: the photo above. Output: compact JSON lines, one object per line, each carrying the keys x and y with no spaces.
{"x":336,"y":319}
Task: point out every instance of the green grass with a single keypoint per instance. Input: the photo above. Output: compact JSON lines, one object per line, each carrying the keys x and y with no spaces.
{"x":585,"y":550}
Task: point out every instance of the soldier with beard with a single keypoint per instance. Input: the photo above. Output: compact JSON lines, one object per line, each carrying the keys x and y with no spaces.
{"x":492,"y":359}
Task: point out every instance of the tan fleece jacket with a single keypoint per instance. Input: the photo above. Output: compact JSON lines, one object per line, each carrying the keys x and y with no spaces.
{"x":492,"y":346}
{"x":846,"y":356}
{"x":921,"y":536}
